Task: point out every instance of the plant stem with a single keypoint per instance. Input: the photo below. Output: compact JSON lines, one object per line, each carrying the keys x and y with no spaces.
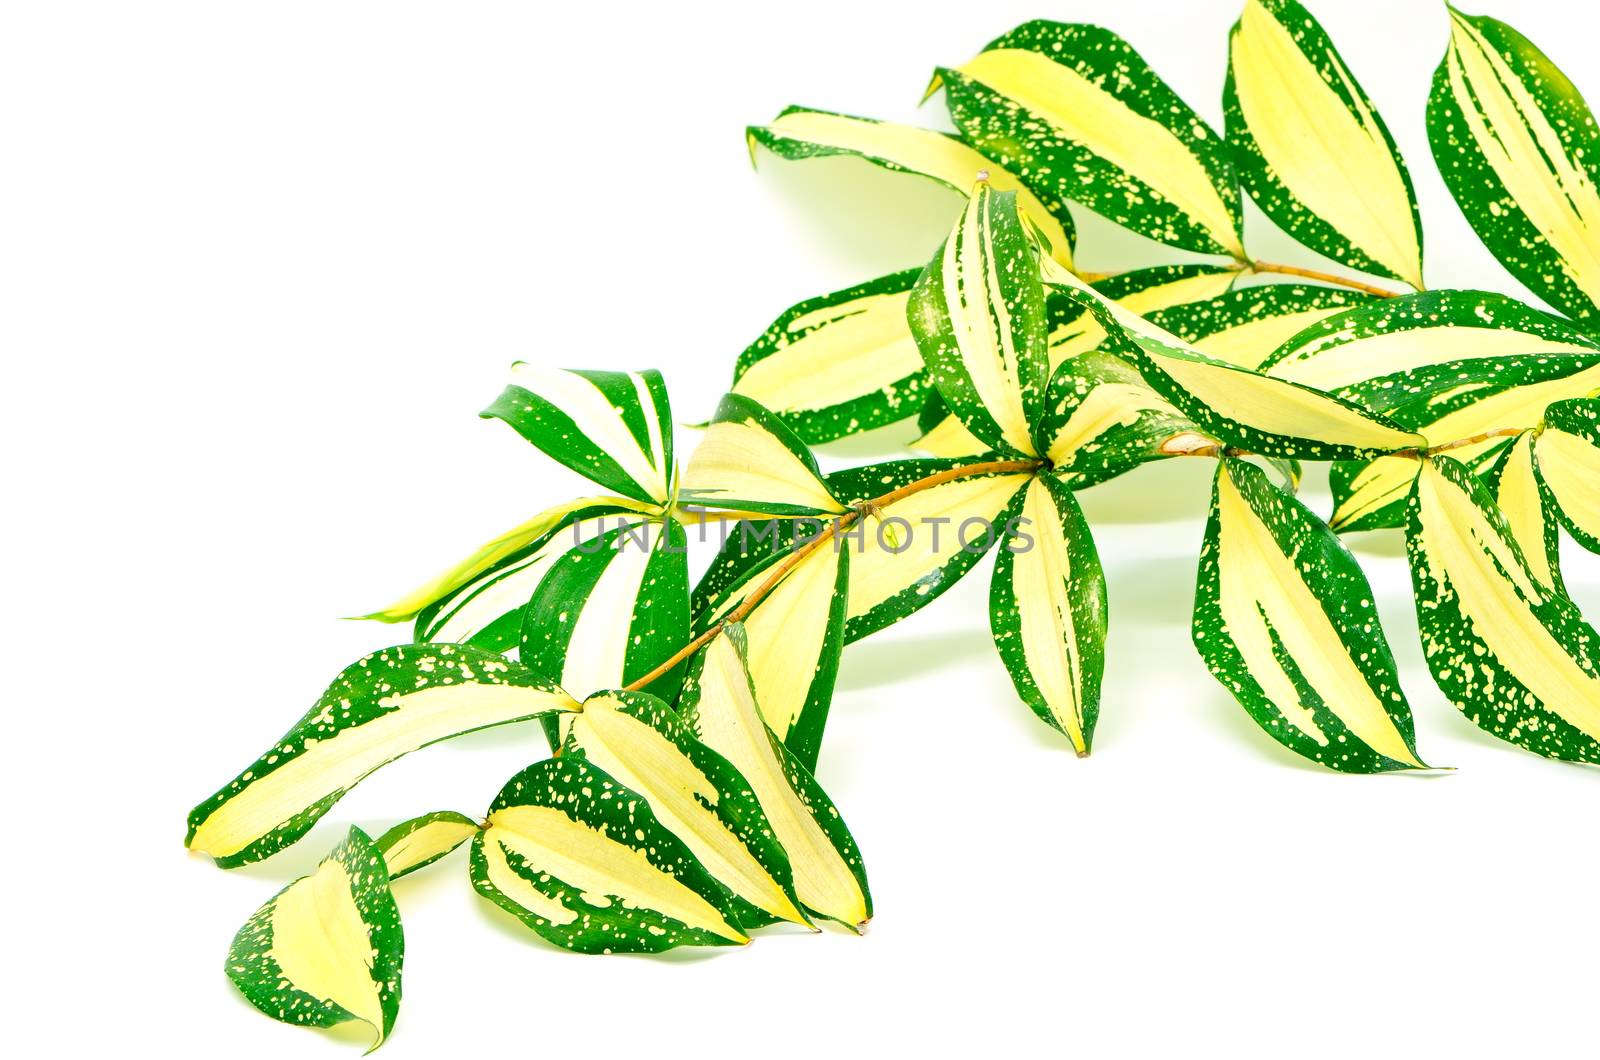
{"x":795,"y":558}
{"x":1324,"y":277}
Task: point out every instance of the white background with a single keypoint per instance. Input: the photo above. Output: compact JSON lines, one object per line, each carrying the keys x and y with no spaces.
{"x":262,"y":264}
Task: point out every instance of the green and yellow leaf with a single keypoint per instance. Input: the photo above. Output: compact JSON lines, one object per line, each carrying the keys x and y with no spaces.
{"x":978,"y":316}
{"x":1246,"y":325}
{"x":800,"y":132}
{"x":1075,"y":338}
{"x":386,"y":705}
{"x":613,"y":428}
{"x":1519,"y":149}
{"x":1077,"y":114}
{"x":1453,"y":402}
{"x":328,"y":948}
{"x":493,"y":556}
{"x":838,"y":364}
{"x":1517,"y":658}
{"x":1243,"y":408}
{"x":923,"y":544}
{"x":1397,"y":338}
{"x":611,"y":610}
{"x":719,"y":704}
{"x":1310,"y":148}
{"x":1047,"y":610}
{"x":750,"y":461}
{"x":794,"y":634}
{"x":692,"y":790}
{"x":582,"y":860}
{"x":1529,"y":513}
{"x":1101,"y":419}
{"x":1567,"y":458}
{"x":410,"y":845}
{"x":1285,"y":620}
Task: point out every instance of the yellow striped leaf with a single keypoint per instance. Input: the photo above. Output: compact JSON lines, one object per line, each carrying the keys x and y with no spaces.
{"x":719,"y":704}
{"x":581,"y":860}
{"x":1246,"y":326}
{"x":1285,"y":620}
{"x":693,"y":791}
{"x":613,"y":428}
{"x":1243,"y":408}
{"x":1519,"y":150}
{"x":1404,"y":338}
{"x":1567,"y":458}
{"x":794,"y":637}
{"x":978,"y":315}
{"x":1047,"y":610}
{"x":386,"y":705}
{"x":1517,"y":659}
{"x":520,"y":542}
{"x":1076,"y":113}
{"x":328,"y":948}
{"x":838,"y":364}
{"x":410,"y":845}
{"x":1311,"y":149}
{"x":1530,"y":518}
{"x":801,"y":132}
{"x":750,"y":461}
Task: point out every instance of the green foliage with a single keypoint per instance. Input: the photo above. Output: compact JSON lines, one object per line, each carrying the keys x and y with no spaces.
{"x":680,"y":807}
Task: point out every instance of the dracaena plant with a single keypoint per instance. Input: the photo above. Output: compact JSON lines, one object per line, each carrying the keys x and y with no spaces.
{"x":678,"y":806}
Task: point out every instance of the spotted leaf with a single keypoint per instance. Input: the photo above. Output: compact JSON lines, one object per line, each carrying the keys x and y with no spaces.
{"x":719,"y":704}
{"x":693,"y":791}
{"x":1517,"y":659}
{"x":1310,"y":147}
{"x":1047,"y":610}
{"x":838,"y":364}
{"x":749,"y":460}
{"x":1567,"y":457}
{"x":1519,"y":149}
{"x":328,"y":948}
{"x":581,"y":860}
{"x":801,"y":132}
{"x":1285,"y":619}
{"x":1246,"y":326}
{"x":386,"y":705}
{"x":1077,"y":114}
{"x":1529,"y":511}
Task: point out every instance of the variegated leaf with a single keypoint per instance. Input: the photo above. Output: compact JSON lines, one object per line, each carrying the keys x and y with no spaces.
{"x":923,"y":543}
{"x":1452,"y":402}
{"x":1519,"y":150}
{"x":1243,"y":408}
{"x":1395,"y":339}
{"x":328,"y":948}
{"x":582,"y":860}
{"x":750,"y":461}
{"x":1285,"y":620}
{"x":800,"y":132}
{"x":386,"y":705}
{"x":1311,"y":149}
{"x":1529,"y":513}
{"x":1076,"y":113}
{"x":487,"y":611}
{"x":838,"y":364}
{"x":795,"y":633}
{"x":1075,"y":338}
{"x":1101,"y":419}
{"x":692,"y":790}
{"x":719,"y":704}
{"x":1517,"y":658}
{"x":613,"y":428}
{"x":1246,"y":325}
{"x":611,"y":610}
{"x":1567,"y":456}
{"x":978,"y":316}
{"x":517,"y":543}
{"x":1047,"y":610}
{"x":411,"y":845}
